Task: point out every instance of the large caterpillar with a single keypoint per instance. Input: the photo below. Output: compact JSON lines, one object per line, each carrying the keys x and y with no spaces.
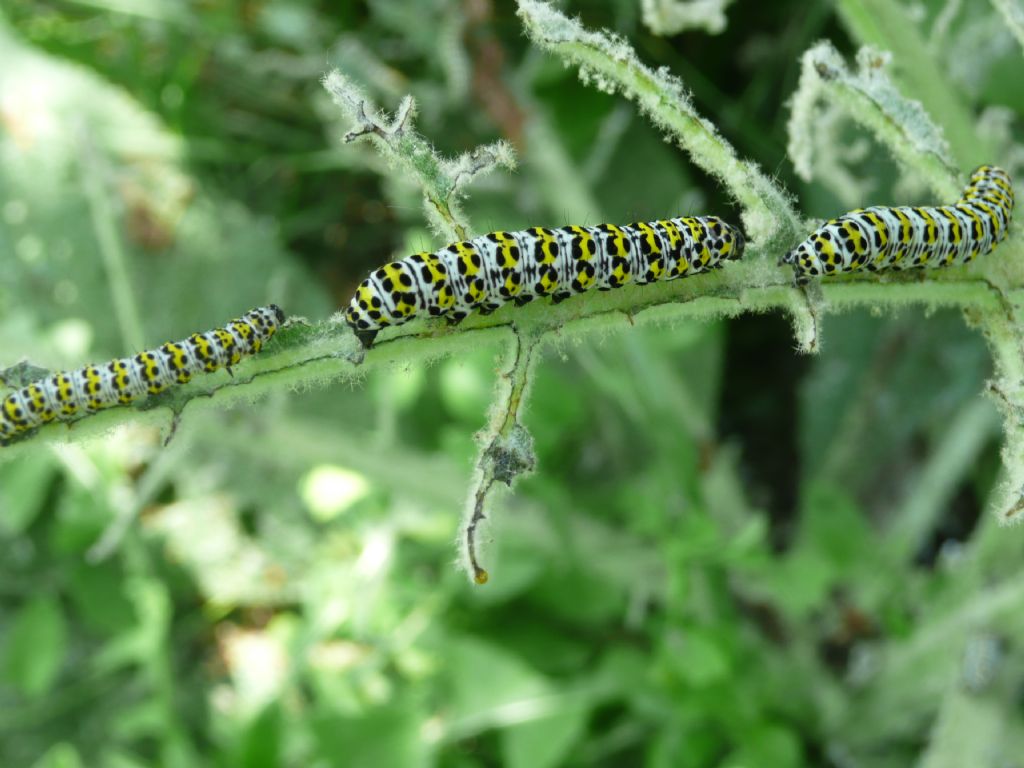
{"x":908,"y":238}
{"x":64,"y":395}
{"x":484,"y":273}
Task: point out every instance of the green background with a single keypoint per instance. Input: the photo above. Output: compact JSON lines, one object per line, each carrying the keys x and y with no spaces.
{"x":730,"y":555}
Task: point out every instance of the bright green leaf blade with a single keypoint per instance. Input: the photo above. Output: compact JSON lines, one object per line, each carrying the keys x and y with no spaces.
{"x":35,"y":646}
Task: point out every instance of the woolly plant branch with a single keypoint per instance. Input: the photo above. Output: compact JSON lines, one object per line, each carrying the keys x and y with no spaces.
{"x":887,"y":26}
{"x":826,"y":155}
{"x":305,"y":355}
{"x":869,"y":97}
{"x":509,"y":451}
{"x":609,"y":63}
{"x":398,"y":142}
{"x":1004,"y":334}
{"x":668,"y":17}
{"x":1013,"y":14}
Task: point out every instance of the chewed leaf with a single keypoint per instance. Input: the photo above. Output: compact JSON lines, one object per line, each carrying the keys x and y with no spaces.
{"x":868,"y":97}
{"x":610,"y":64}
{"x":668,"y":17}
{"x":396,"y":138}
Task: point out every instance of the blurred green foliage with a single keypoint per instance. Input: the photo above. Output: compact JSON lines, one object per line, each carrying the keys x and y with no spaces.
{"x":730,"y":555}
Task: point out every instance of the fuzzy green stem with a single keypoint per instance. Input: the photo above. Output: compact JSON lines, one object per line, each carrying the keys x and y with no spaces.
{"x":869,"y":98}
{"x":669,"y":17}
{"x":610,"y":63}
{"x":509,"y":452}
{"x":886,"y":25}
{"x":1013,"y":13}
{"x":1003,"y":334}
{"x":302,"y":356}
{"x":442,"y":180}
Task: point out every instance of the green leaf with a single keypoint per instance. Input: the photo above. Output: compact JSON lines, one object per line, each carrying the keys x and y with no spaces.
{"x":389,"y":736}
{"x":764,"y":746}
{"x":545,"y":741}
{"x":580,"y":595}
{"x":678,"y":745}
{"x":701,"y":659}
{"x":261,"y":743}
{"x":800,"y":582}
{"x":35,"y":646}
{"x":147,"y":719}
{"x":96,"y":593}
{"x":889,"y":26}
{"x":486,"y":678}
{"x":116,"y":758}
{"x":61,"y":755}
{"x":493,"y":688}
{"x":82,"y":514}
{"x":834,"y":527}
{"x":24,"y":484}
{"x":467,"y":384}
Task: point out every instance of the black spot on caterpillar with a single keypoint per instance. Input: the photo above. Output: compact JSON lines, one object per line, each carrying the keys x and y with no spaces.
{"x":64,"y":395}
{"x":880,"y":238}
{"x":488,"y":271}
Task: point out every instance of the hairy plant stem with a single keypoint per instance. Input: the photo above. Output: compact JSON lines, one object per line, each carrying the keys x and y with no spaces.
{"x":509,"y":452}
{"x":302,"y":356}
{"x":887,"y":26}
{"x":611,"y":64}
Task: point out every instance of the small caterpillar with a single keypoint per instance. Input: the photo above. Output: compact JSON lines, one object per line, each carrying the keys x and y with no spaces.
{"x":908,"y":238}
{"x":62,"y":396}
{"x":488,"y":271}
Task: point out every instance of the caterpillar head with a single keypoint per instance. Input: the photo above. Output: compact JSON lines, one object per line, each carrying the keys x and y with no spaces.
{"x":990,"y":173}
{"x":804,"y":260}
{"x":792,"y":255}
{"x":266,"y":320}
{"x":988,"y":178}
{"x":738,"y":246}
{"x":363,"y":315}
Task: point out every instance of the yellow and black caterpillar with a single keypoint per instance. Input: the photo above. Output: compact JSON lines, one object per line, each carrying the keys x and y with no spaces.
{"x":908,"y":238}
{"x":484,"y":273}
{"x":64,"y":395}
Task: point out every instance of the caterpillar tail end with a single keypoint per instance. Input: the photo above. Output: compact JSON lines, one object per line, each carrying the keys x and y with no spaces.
{"x":365,"y":336}
{"x":739,"y":247}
